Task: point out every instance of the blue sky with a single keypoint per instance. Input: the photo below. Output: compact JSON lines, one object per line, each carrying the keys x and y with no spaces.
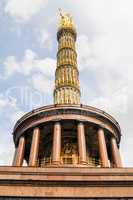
{"x":28,"y":49}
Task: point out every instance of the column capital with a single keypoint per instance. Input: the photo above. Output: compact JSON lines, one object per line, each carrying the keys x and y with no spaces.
{"x":36,"y":129}
{"x":80,"y":121}
{"x":114,"y":138}
{"x":57,"y":121}
{"x":101,"y":126}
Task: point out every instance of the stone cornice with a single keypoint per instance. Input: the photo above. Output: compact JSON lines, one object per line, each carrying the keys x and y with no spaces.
{"x":75,"y":112}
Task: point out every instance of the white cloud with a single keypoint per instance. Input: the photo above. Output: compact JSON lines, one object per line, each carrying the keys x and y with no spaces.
{"x":11,"y":66}
{"x":30,"y":63}
{"x":24,"y":10}
{"x":17,"y":115}
{"x":9,"y":112}
{"x":5,"y":102}
{"x":42,"y":84}
{"x":40,"y":79}
{"x":46,"y":66}
{"x":112,"y":55}
{"x":105,"y":53}
{"x":44,"y":39}
{"x":2,"y":103}
{"x":27,"y":64}
{"x":85,"y":53}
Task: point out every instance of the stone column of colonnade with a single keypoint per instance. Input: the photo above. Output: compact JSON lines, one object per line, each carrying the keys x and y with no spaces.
{"x":20,"y":150}
{"x":81,"y":143}
{"x":103,"y":154}
{"x":115,"y":153}
{"x":56,"y":154}
{"x":102,"y":148}
{"x":34,"y":148}
{"x":116,"y":158}
{"x":19,"y":153}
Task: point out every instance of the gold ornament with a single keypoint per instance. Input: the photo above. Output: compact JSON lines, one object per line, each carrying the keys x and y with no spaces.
{"x":65,"y":19}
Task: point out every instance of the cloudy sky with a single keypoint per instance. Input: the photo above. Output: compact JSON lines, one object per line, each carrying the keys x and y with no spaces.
{"x":28,"y":59}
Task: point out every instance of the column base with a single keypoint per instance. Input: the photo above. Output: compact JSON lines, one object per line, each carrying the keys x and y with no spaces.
{"x":83,"y":163}
{"x":56,"y":163}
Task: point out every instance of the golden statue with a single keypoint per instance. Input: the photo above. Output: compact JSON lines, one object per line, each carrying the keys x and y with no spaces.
{"x":65,"y":19}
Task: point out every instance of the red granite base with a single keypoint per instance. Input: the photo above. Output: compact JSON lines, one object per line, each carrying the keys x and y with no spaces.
{"x":66,"y":182}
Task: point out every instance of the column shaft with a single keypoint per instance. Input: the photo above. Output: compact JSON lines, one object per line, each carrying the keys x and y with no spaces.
{"x":34,"y":148}
{"x":81,"y":143}
{"x":19,"y":155}
{"x":102,"y":148}
{"x":56,"y":143}
{"x":14,"y":158}
{"x":115,"y":153}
